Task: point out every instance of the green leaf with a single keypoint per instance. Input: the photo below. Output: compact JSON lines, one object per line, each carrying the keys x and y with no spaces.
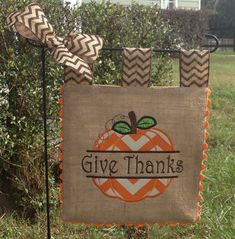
{"x":122,"y":127}
{"x":146,"y":122}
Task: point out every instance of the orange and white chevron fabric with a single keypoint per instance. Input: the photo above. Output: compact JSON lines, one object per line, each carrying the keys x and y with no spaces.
{"x":76,"y":51}
{"x":133,"y":190}
{"x":136,"y":66}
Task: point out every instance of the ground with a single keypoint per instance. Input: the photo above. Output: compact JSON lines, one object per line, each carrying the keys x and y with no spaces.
{"x":218,"y":205}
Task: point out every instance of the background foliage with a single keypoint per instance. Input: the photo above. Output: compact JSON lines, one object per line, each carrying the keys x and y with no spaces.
{"x":21,"y":142}
{"x":188,"y":27}
{"x":209,"y":5}
{"x":132,"y":26}
{"x":222,"y":18}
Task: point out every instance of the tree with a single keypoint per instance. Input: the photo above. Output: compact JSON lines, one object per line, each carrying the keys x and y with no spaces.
{"x":209,"y":5}
{"x":225,"y":10}
{"x":222,"y":23}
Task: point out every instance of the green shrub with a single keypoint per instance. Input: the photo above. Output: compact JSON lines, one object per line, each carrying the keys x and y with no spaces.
{"x":21,"y":123}
{"x":132,"y":26}
{"x":188,"y":27}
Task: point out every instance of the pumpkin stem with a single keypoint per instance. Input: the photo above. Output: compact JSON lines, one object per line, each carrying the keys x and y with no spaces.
{"x":133,"y":121}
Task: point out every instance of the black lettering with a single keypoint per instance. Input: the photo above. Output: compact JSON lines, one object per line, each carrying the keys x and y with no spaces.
{"x":179,"y":168}
{"x":96,"y":164}
{"x":160,"y":163}
{"x":128,"y":158}
{"x":103,"y":165}
{"x":112,"y":166}
{"x":87,"y":166}
{"x":139,"y":165}
{"x":170,"y":162}
{"x":149,"y":167}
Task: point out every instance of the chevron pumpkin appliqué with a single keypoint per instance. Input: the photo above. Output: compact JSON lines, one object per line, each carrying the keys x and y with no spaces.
{"x":132,"y":190}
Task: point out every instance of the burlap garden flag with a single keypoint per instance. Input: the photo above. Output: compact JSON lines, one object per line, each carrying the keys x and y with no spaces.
{"x":133,"y":154}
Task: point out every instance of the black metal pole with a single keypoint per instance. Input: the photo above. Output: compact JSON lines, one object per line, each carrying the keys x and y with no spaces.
{"x":43,"y":61}
{"x":215,"y":47}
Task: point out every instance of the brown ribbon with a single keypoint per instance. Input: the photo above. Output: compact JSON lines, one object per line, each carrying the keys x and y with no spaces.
{"x":75,"y":50}
{"x":194,"y":68}
{"x":136,"y":67}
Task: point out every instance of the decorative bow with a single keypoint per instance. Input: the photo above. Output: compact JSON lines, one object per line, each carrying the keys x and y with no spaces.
{"x":75,"y":50}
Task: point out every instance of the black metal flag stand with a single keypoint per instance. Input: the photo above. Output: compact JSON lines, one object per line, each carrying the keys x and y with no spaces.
{"x":44,"y":89}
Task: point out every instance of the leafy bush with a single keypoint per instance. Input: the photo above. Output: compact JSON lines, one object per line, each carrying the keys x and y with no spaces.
{"x":21,"y":124}
{"x":188,"y":27}
{"x":131,"y":26}
{"x":223,"y":22}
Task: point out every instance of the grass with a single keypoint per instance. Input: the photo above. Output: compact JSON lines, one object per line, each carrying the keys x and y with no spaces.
{"x":218,"y":205}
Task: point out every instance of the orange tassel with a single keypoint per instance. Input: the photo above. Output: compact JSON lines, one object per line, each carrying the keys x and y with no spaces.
{"x":199,"y":207}
{"x":207,"y":113}
{"x":61,"y":123}
{"x":201,"y":177}
{"x":203,"y":166}
{"x":208,"y":103}
{"x":108,"y":225}
{"x":61,"y":112}
{"x":61,"y":166}
{"x":209,"y":92}
{"x":198,"y":218}
{"x":61,"y":90}
{"x":200,"y":186}
{"x":61,"y":156}
{"x":61,"y":101}
{"x":199,"y":197}
{"x":62,"y":134}
{"x":61,"y":197}
{"x":206,"y":134}
{"x":206,"y":124}
{"x":205,"y":146}
{"x":204,"y":156}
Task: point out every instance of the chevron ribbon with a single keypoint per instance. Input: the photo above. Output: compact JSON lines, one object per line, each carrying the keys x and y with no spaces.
{"x":76,"y":51}
{"x":136,"y":66}
{"x":194,"y":68}
{"x":87,"y":47}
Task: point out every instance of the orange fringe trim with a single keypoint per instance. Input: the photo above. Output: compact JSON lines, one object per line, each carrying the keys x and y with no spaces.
{"x":61,"y":156}
{"x":204,"y":155}
{"x":171,"y":224}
